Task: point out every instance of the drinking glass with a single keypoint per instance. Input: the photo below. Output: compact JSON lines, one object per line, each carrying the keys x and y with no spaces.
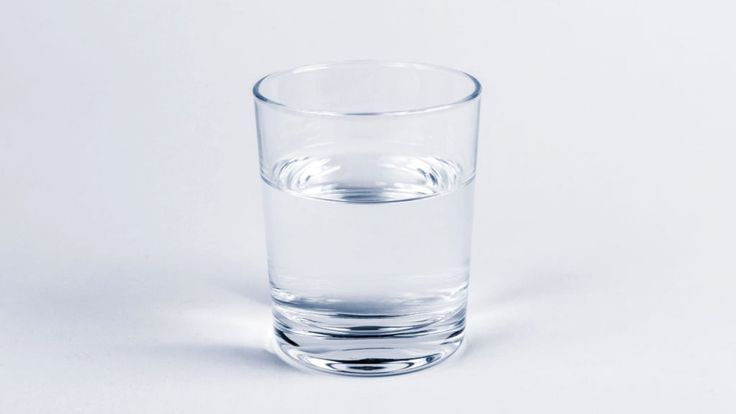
{"x":368,"y":172}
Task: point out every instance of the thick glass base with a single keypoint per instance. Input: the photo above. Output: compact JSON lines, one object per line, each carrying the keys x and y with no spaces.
{"x":339,"y":344}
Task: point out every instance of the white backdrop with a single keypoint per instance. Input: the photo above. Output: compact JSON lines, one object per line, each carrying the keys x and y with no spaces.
{"x":132,"y":262}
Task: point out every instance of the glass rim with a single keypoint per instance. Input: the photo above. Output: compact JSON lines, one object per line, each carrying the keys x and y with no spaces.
{"x":411,"y":65}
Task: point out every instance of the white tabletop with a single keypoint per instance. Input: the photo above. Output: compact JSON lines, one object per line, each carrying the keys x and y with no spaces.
{"x":132,"y":261}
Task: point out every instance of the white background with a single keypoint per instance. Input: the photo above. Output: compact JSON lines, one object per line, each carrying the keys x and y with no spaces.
{"x":132,"y":262}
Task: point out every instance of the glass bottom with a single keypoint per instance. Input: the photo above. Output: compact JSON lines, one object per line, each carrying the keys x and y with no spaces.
{"x":339,"y":345}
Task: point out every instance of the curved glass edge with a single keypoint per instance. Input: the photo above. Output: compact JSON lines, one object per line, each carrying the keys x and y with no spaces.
{"x":420,"y":66}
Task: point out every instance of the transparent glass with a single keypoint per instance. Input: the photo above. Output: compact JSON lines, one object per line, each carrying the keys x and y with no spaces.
{"x":368,"y":172}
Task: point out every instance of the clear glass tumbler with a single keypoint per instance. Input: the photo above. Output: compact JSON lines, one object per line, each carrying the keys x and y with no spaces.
{"x":368,"y":174}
